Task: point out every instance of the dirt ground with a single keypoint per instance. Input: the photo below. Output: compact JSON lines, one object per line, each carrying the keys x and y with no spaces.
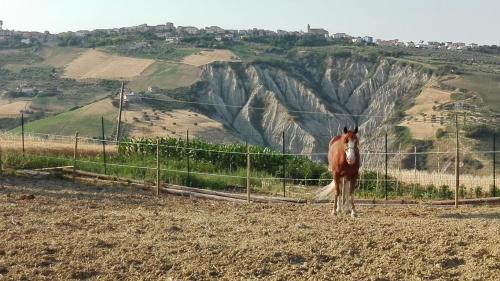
{"x":55,"y":230}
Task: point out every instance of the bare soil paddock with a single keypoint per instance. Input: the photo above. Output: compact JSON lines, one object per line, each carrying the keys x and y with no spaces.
{"x":55,"y":230}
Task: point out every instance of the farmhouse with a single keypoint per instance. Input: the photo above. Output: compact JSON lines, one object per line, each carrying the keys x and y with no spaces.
{"x":131,"y":97}
{"x":410,"y":44}
{"x":341,"y":36}
{"x":357,"y":40}
{"x":170,"y":26}
{"x":26,"y":89}
{"x":368,"y":39}
{"x":473,"y":45}
{"x":172,"y":39}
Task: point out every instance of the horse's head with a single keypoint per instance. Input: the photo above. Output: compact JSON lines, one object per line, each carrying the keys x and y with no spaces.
{"x":350,"y":144}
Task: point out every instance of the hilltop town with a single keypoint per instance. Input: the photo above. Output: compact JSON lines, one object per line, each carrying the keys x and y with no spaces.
{"x":172,"y":34}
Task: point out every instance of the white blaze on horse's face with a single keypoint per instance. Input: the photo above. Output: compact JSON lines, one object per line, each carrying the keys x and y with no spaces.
{"x":349,"y":152}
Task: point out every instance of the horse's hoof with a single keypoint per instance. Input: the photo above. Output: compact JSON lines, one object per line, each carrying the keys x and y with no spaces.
{"x":353,"y":215}
{"x":334,"y":213}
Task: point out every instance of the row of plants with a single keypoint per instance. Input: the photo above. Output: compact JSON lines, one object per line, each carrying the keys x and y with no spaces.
{"x":203,"y":174}
{"x":226,"y":156}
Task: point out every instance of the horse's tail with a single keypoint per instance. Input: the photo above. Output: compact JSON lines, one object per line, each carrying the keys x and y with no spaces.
{"x":325,"y":193}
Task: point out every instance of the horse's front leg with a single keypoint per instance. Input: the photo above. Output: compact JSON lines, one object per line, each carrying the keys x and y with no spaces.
{"x":352,"y":187}
{"x":336,"y":207}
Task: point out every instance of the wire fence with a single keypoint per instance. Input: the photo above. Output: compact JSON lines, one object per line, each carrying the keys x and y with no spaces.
{"x":401,"y":174}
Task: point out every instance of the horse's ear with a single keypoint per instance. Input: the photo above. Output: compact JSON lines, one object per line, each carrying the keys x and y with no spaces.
{"x":356,"y":130}
{"x":345,"y":130}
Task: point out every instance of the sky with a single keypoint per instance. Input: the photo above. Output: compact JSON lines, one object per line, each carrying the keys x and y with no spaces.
{"x":466,"y":21}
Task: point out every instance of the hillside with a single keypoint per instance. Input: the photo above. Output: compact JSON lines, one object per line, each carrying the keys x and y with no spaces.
{"x":254,"y":91}
{"x":85,"y":120}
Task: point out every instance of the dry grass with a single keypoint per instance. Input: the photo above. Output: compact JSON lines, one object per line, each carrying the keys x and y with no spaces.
{"x":174,"y":124}
{"x":60,"y":56}
{"x":97,"y":64}
{"x":67,"y":232}
{"x":206,"y":57}
{"x":14,"y":107}
{"x":429,"y":97}
{"x":50,"y":145}
{"x":425,"y":178}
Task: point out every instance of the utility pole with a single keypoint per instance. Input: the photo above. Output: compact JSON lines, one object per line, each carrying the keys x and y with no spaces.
{"x":120,"y":113}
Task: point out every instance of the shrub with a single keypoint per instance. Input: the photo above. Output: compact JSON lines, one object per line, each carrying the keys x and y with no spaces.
{"x":440,"y":133}
{"x":493,"y":192}
{"x":478,"y":191}
{"x":445,"y":192}
{"x":462,"y":191}
{"x":473,"y":163}
{"x":478,"y":131}
{"x":430,"y":191}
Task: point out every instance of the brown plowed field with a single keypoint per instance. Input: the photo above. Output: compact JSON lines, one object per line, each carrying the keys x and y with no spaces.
{"x":100,"y":65}
{"x":55,"y":230}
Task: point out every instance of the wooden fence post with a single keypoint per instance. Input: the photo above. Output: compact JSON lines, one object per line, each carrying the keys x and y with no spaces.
{"x":1,"y":162}
{"x":157,"y":167}
{"x":75,"y":156}
{"x":415,"y":170}
{"x":118,"y":127}
{"x":494,"y":168}
{"x":104,"y":146}
{"x":187,"y":159}
{"x":457,"y":161}
{"x":22,"y":130}
{"x":283,"y":159}
{"x":248,"y":172}
{"x":386,"y":160}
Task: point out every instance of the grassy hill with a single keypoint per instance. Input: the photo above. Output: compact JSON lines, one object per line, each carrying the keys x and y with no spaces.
{"x":165,"y":75}
{"x":486,"y":85}
{"x":86,"y":120}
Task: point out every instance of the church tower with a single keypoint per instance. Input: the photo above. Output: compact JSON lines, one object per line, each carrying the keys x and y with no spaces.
{"x":1,"y":23}
{"x":308,"y":28}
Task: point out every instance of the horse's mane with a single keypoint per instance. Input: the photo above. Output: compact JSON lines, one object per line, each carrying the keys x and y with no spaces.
{"x":336,"y":138}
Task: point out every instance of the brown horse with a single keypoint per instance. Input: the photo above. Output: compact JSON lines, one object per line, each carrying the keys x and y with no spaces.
{"x":344,"y":162}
